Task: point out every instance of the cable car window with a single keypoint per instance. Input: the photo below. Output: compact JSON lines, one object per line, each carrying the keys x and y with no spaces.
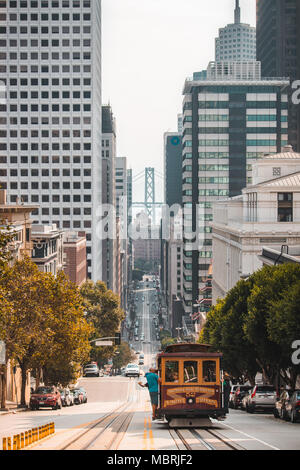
{"x":172,"y":371}
{"x":190,"y":371}
{"x":209,"y":371}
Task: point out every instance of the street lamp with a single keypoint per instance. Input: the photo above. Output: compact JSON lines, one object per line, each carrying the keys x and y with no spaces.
{"x":178,"y":336}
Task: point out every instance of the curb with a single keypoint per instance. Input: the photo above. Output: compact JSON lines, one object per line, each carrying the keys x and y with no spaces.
{"x":13,"y":411}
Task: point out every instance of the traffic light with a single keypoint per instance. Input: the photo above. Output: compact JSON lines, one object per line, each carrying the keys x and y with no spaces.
{"x":117,"y":339}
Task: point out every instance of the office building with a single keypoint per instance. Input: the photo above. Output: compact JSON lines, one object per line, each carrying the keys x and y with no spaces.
{"x":109,"y":244}
{"x":48,"y":250}
{"x":237,"y":41}
{"x":228,"y":123}
{"x":122,"y":224}
{"x":75,"y":266}
{"x":278,"y":50}
{"x":50,"y":150}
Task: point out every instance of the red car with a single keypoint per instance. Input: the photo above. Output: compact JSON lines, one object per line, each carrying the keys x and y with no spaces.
{"x":45,"y":397}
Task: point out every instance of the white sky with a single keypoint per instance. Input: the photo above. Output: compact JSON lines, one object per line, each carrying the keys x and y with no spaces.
{"x":149,"y":47}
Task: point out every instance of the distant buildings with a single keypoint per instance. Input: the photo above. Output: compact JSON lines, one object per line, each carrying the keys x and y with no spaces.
{"x":236,"y":41}
{"x":230,"y":120}
{"x":75,"y":265}
{"x":278,"y":50}
{"x":47,"y":252}
{"x":256,"y":227}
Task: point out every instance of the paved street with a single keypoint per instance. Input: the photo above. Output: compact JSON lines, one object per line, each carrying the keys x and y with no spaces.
{"x":106,"y":394}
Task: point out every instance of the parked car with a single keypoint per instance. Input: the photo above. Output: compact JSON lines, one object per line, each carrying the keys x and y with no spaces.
{"x":245,"y":400}
{"x":65,"y":396}
{"x":84,"y":393}
{"x":239,"y":394}
{"x":293,"y":407}
{"x":141,"y":362}
{"x":91,"y":370}
{"x":281,"y":404}
{"x":232,"y":392}
{"x":78,"y":396}
{"x":70,"y":396}
{"x":262,"y":397}
{"x":45,"y":397}
{"x":132,"y":370}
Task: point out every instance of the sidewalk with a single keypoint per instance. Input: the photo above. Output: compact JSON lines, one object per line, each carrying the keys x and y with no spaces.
{"x":11,"y":408}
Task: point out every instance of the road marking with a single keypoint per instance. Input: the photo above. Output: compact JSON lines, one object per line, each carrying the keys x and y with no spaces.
{"x":151,"y":434}
{"x":251,"y":437}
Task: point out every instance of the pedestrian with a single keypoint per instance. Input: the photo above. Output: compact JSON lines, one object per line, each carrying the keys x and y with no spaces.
{"x":152,"y":384}
{"x":226,"y":391}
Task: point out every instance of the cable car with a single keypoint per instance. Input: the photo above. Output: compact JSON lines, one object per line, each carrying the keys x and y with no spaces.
{"x":191,"y":388}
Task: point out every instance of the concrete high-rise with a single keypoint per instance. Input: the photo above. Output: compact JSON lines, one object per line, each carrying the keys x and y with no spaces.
{"x":228,"y":123}
{"x":50,"y":150}
{"x":109,"y":245}
{"x":278,"y":50}
{"x":236,"y":41}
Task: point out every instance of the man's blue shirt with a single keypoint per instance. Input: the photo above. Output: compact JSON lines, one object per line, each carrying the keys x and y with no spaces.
{"x":152,"y":380}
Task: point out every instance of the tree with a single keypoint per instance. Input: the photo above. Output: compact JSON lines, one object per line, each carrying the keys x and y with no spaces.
{"x":123,"y":356}
{"x":45,"y":324}
{"x":283,"y":324}
{"x":224,"y":331}
{"x":103,"y":312}
{"x":7,"y":236}
{"x":270,"y":284}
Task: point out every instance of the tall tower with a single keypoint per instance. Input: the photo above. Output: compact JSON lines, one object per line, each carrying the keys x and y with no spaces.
{"x":237,"y":12}
{"x":50,"y":152}
{"x":236,"y":41}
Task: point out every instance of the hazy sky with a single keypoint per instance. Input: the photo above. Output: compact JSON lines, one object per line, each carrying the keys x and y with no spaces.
{"x":149,"y":47}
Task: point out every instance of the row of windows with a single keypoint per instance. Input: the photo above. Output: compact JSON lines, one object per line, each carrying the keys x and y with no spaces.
{"x":56,"y":198}
{"x":221,"y":155}
{"x":35,"y":108}
{"x":45,"y":82}
{"x":44,"y":120}
{"x":239,"y":104}
{"x":45,"y":159}
{"x":35,"y":43}
{"x":44,"y":146}
{"x":46,"y":173}
{"x":46,"y":185}
{"x":55,"y":133}
{"x":46,"y":4}
{"x":44,"y":69}
{"x":225,"y":117}
{"x":208,"y":180}
{"x":207,"y":192}
{"x":46,"y":17}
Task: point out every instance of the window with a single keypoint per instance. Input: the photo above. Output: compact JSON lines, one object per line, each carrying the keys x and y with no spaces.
{"x":190,"y":371}
{"x":209,"y":371}
{"x":172,"y":371}
{"x":285,"y":207}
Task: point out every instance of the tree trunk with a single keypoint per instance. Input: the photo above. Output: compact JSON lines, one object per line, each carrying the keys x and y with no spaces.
{"x":23,"y":386}
{"x":4,"y":384}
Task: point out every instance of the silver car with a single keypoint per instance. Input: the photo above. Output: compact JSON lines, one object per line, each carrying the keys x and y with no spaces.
{"x":261,"y":397}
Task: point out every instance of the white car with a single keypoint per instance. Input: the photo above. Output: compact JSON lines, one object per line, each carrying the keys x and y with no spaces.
{"x":132,"y":370}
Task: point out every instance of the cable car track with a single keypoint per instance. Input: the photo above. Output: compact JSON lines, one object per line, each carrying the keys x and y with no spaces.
{"x":105,"y":433}
{"x":202,"y":439}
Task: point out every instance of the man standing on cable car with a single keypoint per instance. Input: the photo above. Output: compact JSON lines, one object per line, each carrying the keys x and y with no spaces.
{"x":152,"y":384}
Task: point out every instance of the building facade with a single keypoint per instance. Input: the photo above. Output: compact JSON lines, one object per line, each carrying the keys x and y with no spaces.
{"x":122,"y":225}
{"x":237,"y":41}
{"x":278,"y":50}
{"x":47,"y":251}
{"x":50,"y":150}
{"x":75,"y":265}
{"x":109,"y":245}
{"x":228,"y":123}
{"x":267,"y":214}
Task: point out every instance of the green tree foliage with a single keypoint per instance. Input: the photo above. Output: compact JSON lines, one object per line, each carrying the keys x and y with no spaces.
{"x":256,"y":323}
{"x":123,"y":356}
{"x":44,"y":325}
{"x":103,"y":312}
